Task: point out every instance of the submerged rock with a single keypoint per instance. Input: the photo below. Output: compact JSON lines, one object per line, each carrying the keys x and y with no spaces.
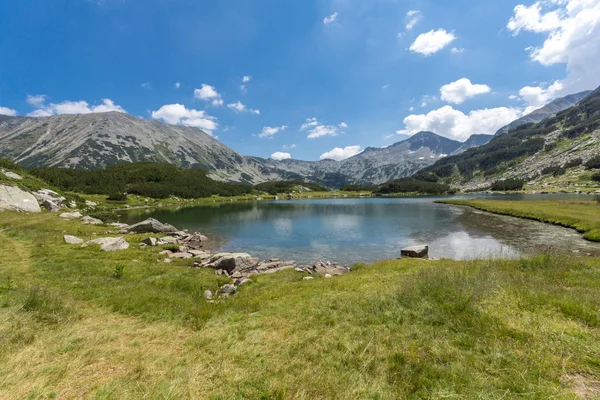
{"x":421,"y":251}
{"x":15,"y":199}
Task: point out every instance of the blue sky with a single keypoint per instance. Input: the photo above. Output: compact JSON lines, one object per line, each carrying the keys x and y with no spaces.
{"x":320,"y":74}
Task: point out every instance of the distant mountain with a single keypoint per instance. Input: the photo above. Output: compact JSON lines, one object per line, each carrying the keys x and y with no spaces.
{"x":92,"y":141}
{"x":549,"y":110}
{"x":529,"y":151}
{"x":473,"y":141}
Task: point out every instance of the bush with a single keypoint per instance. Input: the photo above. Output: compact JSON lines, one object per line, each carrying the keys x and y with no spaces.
{"x":593,"y":163}
{"x":105,"y":216}
{"x":554,"y":170}
{"x":118,"y":271}
{"x":574,"y":163}
{"x":117,"y":196}
{"x":508,"y":184}
{"x":288,"y":186}
{"x":596,"y":177}
{"x":411,"y":185}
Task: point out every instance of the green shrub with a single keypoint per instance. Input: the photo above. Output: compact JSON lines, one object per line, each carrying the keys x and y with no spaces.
{"x":574,"y":163}
{"x":411,"y":185}
{"x":105,"y":216}
{"x":118,"y":271}
{"x":357,"y":188}
{"x":553,"y":170}
{"x":118,"y":196}
{"x":596,"y":177}
{"x":508,"y":185}
{"x":593,"y":163}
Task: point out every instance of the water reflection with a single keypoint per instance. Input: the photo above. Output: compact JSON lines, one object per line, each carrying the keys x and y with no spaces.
{"x":353,"y":230}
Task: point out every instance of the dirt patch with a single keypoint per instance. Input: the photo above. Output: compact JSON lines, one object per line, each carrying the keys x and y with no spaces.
{"x":584,"y":387}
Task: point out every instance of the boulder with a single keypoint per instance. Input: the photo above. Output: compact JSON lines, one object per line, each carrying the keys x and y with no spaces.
{"x":91,"y":203}
{"x":47,"y":195}
{"x":167,"y":240}
{"x":13,"y":198}
{"x":72,"y":239}
{"x":150,"y":241}
{"x":421,"y":251}
{"x":71,"y":215}
{"x":150,"y":226}
{"x":181,"y":255}
{"x":233,"y":261}
{"x":118,"y":225}
{"x":109,"y":243}
{"x":51,"y":206}
{"x":208,"y":295}
{"x":228,"y":289}
{"x":12,"y":175}
{"x":91,"y":221}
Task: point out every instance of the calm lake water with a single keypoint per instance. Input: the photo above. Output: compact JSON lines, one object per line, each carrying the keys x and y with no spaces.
{"x":367,"y":229}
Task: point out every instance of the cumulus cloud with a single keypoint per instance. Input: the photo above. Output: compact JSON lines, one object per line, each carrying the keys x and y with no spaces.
{"x":278,"y":156}
{"x":343,"y":125}
{"x":412,"y":18}
{"x":455,"y":124}
{"x":330,"y":19}
{"x":432,"y":42}
{"x":538,"y":96}
{"x":209,"y":93}
{"x":269,"y":131}
{"x":239,"y":107}
{"x":146,"y":85}
{"x":177,"y":114}
{"x":177,"y":85}
{"x":7,"y":111}
{"x":457,"y":92}
{"x":70,"y":107}
{"x":339,"y":153}
{"x":316,"y":129}
{"x":572,"y":37}
{"x":456,"y":50}
{"x":246,"y":78}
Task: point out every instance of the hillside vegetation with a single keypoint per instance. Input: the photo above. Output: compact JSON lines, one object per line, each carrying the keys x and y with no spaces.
{"x":71,"y":328}
{"x":531,"y":150}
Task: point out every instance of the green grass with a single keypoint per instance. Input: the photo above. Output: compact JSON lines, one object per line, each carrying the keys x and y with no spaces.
{"x":400,"y":329}
{"x":584,"y":216}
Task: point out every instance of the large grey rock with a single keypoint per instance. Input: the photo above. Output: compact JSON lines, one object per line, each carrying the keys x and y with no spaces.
{"x":421,"y":251}
{"x":233,"y":261}
{"x":228,"y":289}
{"x":167,"y":240}
{"x":150,"y":226}
{"x":47,"y":195}
{"x":91,"y":221}
{"x":71,"y":215}
{"x":150,"y":241}
{"x":72,"y":239}
{"x":13,"y":198}
{"x":109,"y":243}
{"x":12,"y":175}
{"x":51,"y":206}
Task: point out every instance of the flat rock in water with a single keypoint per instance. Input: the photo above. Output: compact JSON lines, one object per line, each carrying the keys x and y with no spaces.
{"x":72,"y":239}
{"x":13,"y":198}
{"x":150,"y":226}
{"x":415,"y":251}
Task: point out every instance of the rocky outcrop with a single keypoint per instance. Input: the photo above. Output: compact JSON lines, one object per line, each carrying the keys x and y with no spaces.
{"x":87,"y":220}
{"x":51,"y":200}
{"x":12,"y":175}
{"x":150,"y":226}
{"x":71,"y":215}
{"x":15,"y":199}
{"x":421,"y":251}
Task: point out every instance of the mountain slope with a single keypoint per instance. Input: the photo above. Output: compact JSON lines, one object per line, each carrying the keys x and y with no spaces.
{"x":529,"y":151}
{"x":473,"y":141}
{"x":549,"y":110}
{"x":92,"y":141}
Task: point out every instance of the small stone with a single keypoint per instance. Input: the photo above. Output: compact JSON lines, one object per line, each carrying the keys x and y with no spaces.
{"x":72,"y":215}
{"x":228,"y":289}
{"x":143,"y":245}
{"x":415,"y":251}
{"x":180,"y":255}
{"x":208,"y":295}
{"x":168,"y":260}
{"x":308,"y":278}
{"x":51,"y":206}
{"x":150,"y":241}
{"x":326,"y":276}
{"x":72,"y":239}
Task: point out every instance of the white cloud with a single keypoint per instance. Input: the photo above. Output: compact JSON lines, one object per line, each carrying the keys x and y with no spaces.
{"x":146,"y":85}
{"x":538,"y":96}
{"x":330,"y":19}
{"x":268,"y":131}
{"x":243,"y":89}
{"x":339,"y":154}
{"x":513,"y":97}
{"x":209,"y":93}
{"x":278,"y":156}
{"x":447,"y":121}
{"x":412,"y":18}
{"x":177,"y":85}
{"x":343,"y":125}
{"x":246,"y":78}
{"x":457,"y":92}
{"x":411,"y":108}
{"x":288,"y":146}
{"x":572,"y":37}
{"x":387,"y":85}
{"x":177,"y":114}
{"x":7,"y":111}
{"x":36,"y":100}
{"x":315,"y":129}
{"x":432,"y":42}
{"x":239,"y":107}
{"x":456,"y":50}
{"x":70,"y":107}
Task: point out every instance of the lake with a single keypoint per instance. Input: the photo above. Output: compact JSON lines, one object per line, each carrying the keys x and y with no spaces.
{"x":365,"y":230}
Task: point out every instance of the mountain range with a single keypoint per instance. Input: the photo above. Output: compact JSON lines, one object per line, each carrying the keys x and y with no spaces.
{"x":97,"y":140}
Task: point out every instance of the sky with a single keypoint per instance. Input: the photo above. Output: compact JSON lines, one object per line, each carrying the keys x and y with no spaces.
{"x":306,"y":79}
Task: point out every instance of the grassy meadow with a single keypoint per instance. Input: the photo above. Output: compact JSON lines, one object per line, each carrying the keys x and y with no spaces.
{"x":71,"y":326}
{"x":583,"y":215}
